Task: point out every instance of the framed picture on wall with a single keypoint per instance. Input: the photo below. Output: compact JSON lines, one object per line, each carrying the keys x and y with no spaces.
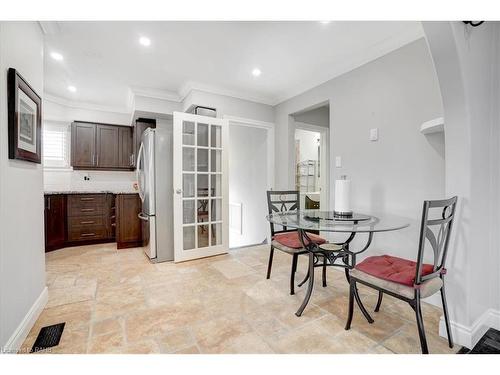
{"x":25,"y":119}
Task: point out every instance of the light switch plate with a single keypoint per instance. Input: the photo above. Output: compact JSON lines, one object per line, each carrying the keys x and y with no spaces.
{"x":338,"y":162}
{"x":374,"y":134}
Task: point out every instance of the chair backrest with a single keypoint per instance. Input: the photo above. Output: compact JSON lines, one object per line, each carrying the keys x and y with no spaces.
{"x":436,"y":225}
{"x":311,"y":204}
{"x":281,"y":201}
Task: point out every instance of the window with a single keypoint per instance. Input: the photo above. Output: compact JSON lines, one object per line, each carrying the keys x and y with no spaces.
{"x":55,"y":145}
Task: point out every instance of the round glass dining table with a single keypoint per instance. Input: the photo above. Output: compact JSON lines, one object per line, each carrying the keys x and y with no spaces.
{"x":338,"y":254}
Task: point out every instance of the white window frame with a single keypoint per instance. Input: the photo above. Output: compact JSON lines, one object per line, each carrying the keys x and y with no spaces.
{"x":66,"y":164}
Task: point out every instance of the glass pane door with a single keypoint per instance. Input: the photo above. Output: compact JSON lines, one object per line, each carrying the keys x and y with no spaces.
{"x":200,"y":186}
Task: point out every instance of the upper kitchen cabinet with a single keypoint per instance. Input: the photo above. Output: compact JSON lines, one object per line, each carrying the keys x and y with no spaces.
{"x":107,"y":144}
{"x":125,"y":147}
{"x":101,"y":146}
{"x":83,"y":152}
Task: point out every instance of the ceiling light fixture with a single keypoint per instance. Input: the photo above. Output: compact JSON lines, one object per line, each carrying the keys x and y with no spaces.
{"x":72,"y":88}
{"x":325,"y":22}
{"x":256,"y":72}
{"x":56,"y":56}
{"x":145,"y":41}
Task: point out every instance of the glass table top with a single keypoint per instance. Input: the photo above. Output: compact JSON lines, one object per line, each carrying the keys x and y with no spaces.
{"x":326,"y":221}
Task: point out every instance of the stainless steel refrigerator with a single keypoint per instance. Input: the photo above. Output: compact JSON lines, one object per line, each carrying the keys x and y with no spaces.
{"x":154,"y":177}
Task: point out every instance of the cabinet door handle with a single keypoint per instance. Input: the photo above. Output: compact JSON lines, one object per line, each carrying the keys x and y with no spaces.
{"x":48,"y":201}
{"x":97,"y":160}
{"x":93,"y":159}
{"x":88,"y":234}
{"x":87,"y":199}
{"x":87,"y":209}
{"x":87,"y":222}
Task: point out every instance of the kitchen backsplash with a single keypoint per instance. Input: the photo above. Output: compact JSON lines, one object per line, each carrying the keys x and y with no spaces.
{"x":98,"y":181}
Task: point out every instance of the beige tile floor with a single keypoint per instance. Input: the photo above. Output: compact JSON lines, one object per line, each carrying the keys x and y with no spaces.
{"x":118,"y":302}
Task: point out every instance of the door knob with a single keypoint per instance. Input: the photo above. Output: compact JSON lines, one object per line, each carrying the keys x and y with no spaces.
{"x":178,"y":191}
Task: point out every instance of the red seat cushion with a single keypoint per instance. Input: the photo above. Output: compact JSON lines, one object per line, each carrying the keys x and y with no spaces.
{"x":398,"y":270}
{"x":291,"y":239}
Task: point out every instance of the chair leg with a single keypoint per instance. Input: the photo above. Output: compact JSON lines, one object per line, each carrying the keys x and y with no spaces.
{"x":446,"y":317}
{"x":361,"y":306}
{"x":379,"y":301}
{"x":270,"y":263}
{"x":324,"y":271}
{"x":292,"y":274}
{"x":420,"y":323}
{"x":352,"y":286}
{"x":305,"y":279}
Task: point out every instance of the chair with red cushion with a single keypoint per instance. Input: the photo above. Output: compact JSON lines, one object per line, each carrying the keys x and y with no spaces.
{"x":408,"y":280}
{"x":287,"y":240}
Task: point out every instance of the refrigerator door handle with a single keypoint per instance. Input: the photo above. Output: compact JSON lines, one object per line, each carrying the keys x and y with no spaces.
{"x":143,"y":217}
{"x":138,"y":171}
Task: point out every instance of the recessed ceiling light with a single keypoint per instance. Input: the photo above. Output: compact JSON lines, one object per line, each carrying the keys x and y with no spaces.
{"x":72,"y":88}
{"x":325,"y":22}
{"x":56,"y":56}
{"x":144,"y":41}
{"x":256,"y":72}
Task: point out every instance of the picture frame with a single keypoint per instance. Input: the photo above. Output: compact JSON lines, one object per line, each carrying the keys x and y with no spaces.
{"x":24,"y":119}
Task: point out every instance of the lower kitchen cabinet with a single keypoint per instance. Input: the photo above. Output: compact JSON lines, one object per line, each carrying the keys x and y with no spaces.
{"x":55,"y":221}
{"x":128,"y":224}
{"x":81,"y":219}
{"x":89,"y":217}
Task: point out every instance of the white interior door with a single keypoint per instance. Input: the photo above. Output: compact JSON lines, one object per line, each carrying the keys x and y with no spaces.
{"x":201,"y":188}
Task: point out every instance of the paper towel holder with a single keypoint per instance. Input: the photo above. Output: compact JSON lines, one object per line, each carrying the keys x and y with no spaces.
{"x":343,"y":214}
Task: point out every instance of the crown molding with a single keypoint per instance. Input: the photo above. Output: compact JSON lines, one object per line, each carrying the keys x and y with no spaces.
{"x":191,"y":86}
{"x":50,"y":27}
{"x":83,"y":105}
{"x":171,"y":96}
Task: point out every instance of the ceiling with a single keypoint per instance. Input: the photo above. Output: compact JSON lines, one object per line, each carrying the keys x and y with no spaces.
{"x":105,"y":61}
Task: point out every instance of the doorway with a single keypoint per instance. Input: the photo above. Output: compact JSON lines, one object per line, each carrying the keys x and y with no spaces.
{"x":311,"y":141}
{"x":251,"y":150}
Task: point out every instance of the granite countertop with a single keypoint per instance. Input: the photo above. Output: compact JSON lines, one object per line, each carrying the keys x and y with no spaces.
{"x":50,"y":192}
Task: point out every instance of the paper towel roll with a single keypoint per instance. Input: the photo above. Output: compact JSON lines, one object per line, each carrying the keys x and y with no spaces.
{"x":342,"y":197}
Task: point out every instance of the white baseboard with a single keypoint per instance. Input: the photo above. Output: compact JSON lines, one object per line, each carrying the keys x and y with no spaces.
{"x":469,"y":336}
{"x":16,"y":340}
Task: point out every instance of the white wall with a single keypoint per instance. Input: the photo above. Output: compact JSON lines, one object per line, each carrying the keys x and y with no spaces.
{"x":22,"y":258}
{"x":395,"y":93}
{"x":64,"y":180}
{"x":467,"y":64}
{"x":248,"y":162}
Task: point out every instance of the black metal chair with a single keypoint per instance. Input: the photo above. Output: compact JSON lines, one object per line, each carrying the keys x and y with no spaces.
{"x":280,"y":201}
{"x":426,"y":279}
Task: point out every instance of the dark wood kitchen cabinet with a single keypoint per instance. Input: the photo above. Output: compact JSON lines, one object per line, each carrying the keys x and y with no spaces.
{"x":101,"y":146}
{"x":128,"y":225}
{"x":89,"y":217}
{"x":125,"y":147}
{"x":107,"y":144}
{"x":55,"y":221}
{"x":83,"y":152}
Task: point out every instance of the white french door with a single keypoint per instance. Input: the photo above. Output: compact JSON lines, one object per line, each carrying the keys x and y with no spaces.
{"x":201,"y":187}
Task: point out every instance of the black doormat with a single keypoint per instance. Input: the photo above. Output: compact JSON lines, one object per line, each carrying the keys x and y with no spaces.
{"x":48,"y":337}
{"x":489,"y":344}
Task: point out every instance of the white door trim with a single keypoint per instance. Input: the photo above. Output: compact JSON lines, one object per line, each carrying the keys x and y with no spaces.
{"x":325,"y":157}
{"x":269,"y":126}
